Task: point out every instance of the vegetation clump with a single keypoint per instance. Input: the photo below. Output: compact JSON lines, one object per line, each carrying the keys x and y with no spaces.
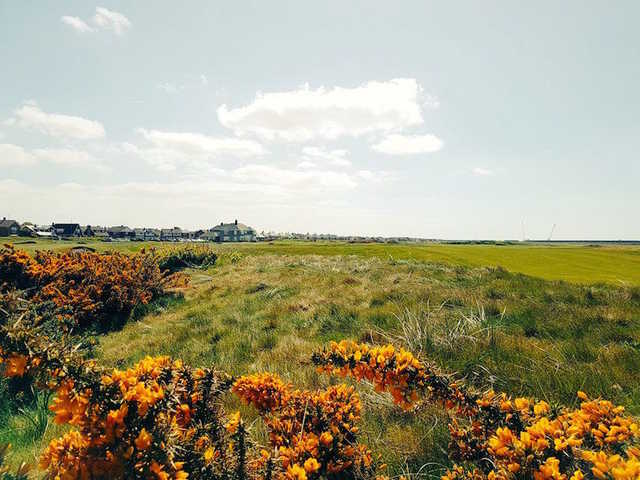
{"x":89,"y":289}
{"x":173,"y":259}
{"x":161,"y":419}
{"x":494,"y":436}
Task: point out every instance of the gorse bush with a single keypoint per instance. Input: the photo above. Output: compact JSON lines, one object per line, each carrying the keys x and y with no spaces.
{"x":161,"y":419}
{"x":494,"y":436}
{"x":178,"y":257}
{"x":89,"y":289}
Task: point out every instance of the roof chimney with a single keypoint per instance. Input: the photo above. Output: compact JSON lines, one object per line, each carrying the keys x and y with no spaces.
{"x":236,"y":221}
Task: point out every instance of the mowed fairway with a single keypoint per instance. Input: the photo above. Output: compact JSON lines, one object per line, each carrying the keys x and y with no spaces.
{"x":586,"y":264}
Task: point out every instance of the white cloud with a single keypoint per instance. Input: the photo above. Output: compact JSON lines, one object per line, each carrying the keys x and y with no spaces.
{"x":56,"y":125}
{"x":374,"y":177}
{"x":110,"y":20}
{"x":204,"y":80}
{"x":294,"y":179}
{"x":76,"y":23}
{"x":168,"y":150}
{"x":307,"y":164}
{"x":305,"y":114}
{"x":397,"y":144}
{"x":335,"y":157}
{"x":197,"y":143}
{"x":15,"y":155}
{"x":103,"y":19}
{"x":69,"y":158}
{"x":482,"y":172}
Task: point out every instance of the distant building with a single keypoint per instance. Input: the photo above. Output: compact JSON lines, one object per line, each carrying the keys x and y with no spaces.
{"x":27,"y":229}
{"x":146,"y":234}
{"x":231,"y":232}
{"x":8,"y":227}
{"x":66,"y":230}
{"x":96,"y":232}
{"x":120,"y":232}
{"x":171,"y":234}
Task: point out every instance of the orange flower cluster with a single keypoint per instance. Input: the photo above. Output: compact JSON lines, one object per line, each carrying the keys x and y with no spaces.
{"x":89,"y":287}
{"x":503,"y":438}
{"x":314,"y":432}
{"x":394,"y":370}
{"x":157,"y":420}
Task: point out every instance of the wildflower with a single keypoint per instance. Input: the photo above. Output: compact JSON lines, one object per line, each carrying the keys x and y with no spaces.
{"x":143,"y":440}
{"x":232,"y":425}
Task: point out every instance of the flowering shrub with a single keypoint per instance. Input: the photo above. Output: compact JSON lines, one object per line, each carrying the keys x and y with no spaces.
{"x":91,"y":288}
{"x":315,"y":433}
{"x":161,"y":419}
{"x":497,"y":437}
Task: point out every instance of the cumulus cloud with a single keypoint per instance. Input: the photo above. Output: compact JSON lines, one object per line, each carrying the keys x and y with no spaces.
{"x":168,"y":150}
{"x":67,"y":157}
{"x":374,"y":177}
{"x":306,"y":114}
{"x":397,"y":144}
{"x":337,"y":157}
{"x":103,"y":19}
{"x":307,"y":164}
{"x":15,"y":155}
{"x":56,"y":125}
{"x":299,"y":180}
{"x":110,"y":20}
{"x":197,"y":143}
{"x":483,"y":172}
{"x":76,"y":23}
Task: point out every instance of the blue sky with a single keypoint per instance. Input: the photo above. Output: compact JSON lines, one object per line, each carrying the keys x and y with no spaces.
{"x":434,"y":119}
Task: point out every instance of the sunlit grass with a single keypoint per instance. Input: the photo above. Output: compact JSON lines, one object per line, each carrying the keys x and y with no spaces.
{"x":614,"y":264}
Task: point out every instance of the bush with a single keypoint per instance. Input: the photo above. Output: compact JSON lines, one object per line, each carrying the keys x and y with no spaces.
{"x":494,"y":436}
{"x":162,"y":419}
{"x":89,"y":289}
{"x":176,"y":258}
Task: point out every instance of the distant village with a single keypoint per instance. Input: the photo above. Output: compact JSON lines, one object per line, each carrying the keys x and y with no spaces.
{"x":223,"y":232}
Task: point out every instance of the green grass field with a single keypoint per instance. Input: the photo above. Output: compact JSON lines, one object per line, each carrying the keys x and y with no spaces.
{"x":571,"y":323}
{"x":618,"y":265}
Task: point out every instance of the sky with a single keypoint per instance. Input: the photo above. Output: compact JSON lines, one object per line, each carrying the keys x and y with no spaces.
{"x":457,"y":120}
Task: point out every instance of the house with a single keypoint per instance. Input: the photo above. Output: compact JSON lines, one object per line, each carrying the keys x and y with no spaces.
{"x":231,"y":232}
{"x":27,"y":229}
{"x":66,"y":230}
{"x":8,"y":227}
{"x":120,"y":232}
{"x":171,"y":234}
{"x":138,"y":234}
{"x":152,"y":234}
{"x":96,"y":232}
